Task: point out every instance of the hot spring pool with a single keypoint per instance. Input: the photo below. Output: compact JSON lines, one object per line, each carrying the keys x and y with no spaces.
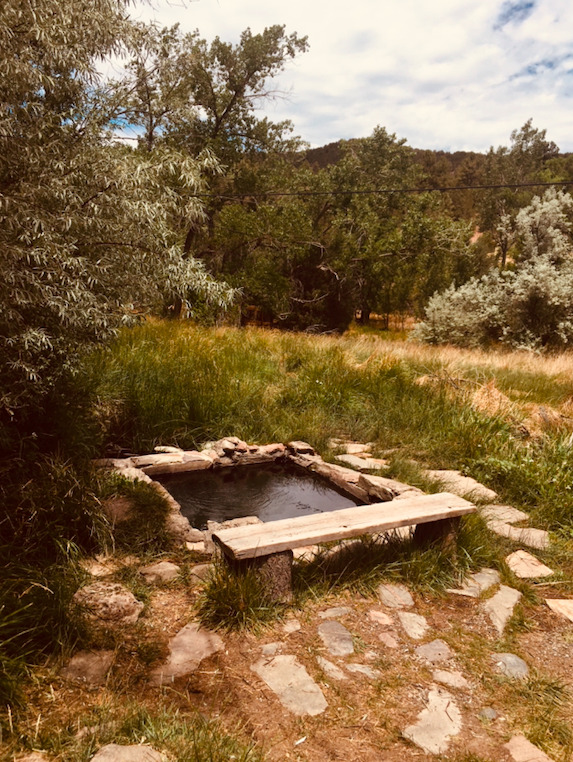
{"x":271,"y":492}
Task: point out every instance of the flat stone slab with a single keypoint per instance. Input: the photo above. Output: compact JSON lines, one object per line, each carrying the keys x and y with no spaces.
{"x":135,"y":753}
{"x":361,"y":463}
{"x":271,"y":649}
{"x":161,"y":572}
{"x":526,"y":566}
{"x":337,"y":639}
{"x":415,"y":625}
{"x":477,"y":583}
{"x":456,"y":482}
{"x":335,"y":612}
{"x":506,"y":513}
{"x":437,"y":723}
{"x":379,"y":617}
{"x":293,"y":686}
{"x":364,"y":669}
{"x":451,"y":678}
{"x":291,"y":625}
{"x":389,"y":639}
{"x":88,"y":667}
{"x":395,"y":596}
{"x":533,"y":538}
{"x":330,"y":669}
{"x":187,"y":650}
{"x":510,"y":665}
{"x":522,"y":750}
{"x":563,"y":606}
{"x":434,"y":652}
{"x":108,"y":603}
{"x":500,"y":608}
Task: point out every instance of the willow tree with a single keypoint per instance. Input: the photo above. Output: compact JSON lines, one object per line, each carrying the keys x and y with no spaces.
{"x":89,"y":229}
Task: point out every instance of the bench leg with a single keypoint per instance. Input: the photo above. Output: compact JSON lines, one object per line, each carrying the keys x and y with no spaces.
{"x":274,"y":571}
{"x":444,"y":532}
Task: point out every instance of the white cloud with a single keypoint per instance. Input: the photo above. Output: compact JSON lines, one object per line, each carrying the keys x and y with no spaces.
{"x":454,"y":74}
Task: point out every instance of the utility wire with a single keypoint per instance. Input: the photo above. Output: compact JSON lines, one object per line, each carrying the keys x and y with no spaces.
{"x":377,"y":191}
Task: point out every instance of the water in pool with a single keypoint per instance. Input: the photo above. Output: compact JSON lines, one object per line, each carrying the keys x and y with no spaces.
{"x":269,"y":492}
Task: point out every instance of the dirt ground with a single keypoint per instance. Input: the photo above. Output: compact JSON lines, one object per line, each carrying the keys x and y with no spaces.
{"x":365,"y":718}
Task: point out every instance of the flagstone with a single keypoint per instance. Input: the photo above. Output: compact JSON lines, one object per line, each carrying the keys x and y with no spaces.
{"x":563,"y":606}
{"x":526,"y":566}
{"x":500,"y":608}
{"x":291,"y":683}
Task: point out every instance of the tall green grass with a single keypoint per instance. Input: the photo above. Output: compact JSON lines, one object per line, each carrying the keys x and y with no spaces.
{"x":180,"y":384}
{"x":176,"y":383}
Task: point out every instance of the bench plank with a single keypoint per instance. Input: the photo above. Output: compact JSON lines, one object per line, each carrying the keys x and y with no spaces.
{"x":257,"y":540}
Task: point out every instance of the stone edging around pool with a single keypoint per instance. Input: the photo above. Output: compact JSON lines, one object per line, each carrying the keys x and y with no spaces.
{"x":232,"y":451}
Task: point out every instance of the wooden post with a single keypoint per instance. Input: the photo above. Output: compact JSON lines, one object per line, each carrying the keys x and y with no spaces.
{"x":274,"y":572}
{"x":444,"y":532}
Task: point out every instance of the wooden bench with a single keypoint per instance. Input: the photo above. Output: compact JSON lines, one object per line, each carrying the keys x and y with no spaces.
{"x":269,"y":546}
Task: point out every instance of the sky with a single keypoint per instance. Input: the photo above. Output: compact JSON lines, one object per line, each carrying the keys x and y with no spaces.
{"x":443,"y":74}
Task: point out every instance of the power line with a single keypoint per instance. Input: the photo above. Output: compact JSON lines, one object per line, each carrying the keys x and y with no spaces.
{"x":379,"y":191}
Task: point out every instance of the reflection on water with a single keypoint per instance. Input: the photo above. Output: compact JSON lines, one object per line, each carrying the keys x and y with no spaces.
{"x":269,"y":492}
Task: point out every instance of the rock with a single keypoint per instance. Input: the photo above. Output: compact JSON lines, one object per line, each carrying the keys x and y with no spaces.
{"x":157,"y":459}
{"x":500,"y":608}
{"x":533,"y":538}
{"x":477,"y":583}
{"x":526,"y":566}
{"x":434,"y":652}
{"x":200,"y":573}
{"x":97,"y":568}
{"x":271,"y":649}
{"x":300,"y":448}
{"x":344,"y":478}
{"x":108,"y":603}
{"x":415,"y":625}
{"x":364,"y":669}
{"x":135,"y":474}
{"x":187,"y":650}
{"x":191,"y":461}
{"x":162,"y":572}
{"x":505,"y":513}
{"x":362,"y":463}
{"x":336,"y":638}
{"x":136,"y":753}
{"x":510,"y":665}
{"x":384,"y":489}
{"x":88,"y":667}
{"x":118,"y":509}
{"x":388,"y":639}
{"x":307,"y":552}
{"x":167,"y":449}
{"x":522,"y":750}
{"x":488,"y":714}
{"x":437,"y":723}
{"x":452,"y":678}
{"x":456,"y":482}
{"x":330,"y":669}
{"x":292,"y":684}
{"x":196,"y":547}
{"x":336,"y":611}
{"x":379,"y":617}
{"x":215,"y":526}
{"x":563,"y":606}
{"x":180,"y":530}
{"x":395,"y":596}
{"x":290,"y":626}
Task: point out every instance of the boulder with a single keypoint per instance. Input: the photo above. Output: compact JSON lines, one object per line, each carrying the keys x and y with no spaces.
{"x":108,"y":603}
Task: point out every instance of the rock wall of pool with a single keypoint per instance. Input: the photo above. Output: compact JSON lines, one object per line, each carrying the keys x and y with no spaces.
{"x":230,"y":482}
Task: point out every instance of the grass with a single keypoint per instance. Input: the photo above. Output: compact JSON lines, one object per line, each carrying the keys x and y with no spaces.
{"x":236,"y":600}
{"x":183,"y":736}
